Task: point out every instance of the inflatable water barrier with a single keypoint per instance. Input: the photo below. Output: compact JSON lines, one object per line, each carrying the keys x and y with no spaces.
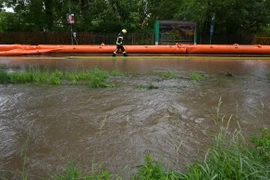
{"x":20,"y":49}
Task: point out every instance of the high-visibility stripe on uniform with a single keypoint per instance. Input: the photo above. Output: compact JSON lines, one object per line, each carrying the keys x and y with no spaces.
{"x":119,"y":40}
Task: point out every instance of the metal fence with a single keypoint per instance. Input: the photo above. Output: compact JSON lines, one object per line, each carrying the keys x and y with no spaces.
{"x":225,"y":39}
{"x":83,"y":38}
{"x":88,"y":38}
{"x":261,"y":40}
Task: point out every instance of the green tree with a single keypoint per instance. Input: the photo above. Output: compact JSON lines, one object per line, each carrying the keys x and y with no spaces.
{"x":231,"y":16}
{"x":130,"y":13}
{"x":91,"y":15}
{"x":9,"y":22}
{"x":97,"y":16}
{"x":163,"y":10}
{"x":37,"y":15}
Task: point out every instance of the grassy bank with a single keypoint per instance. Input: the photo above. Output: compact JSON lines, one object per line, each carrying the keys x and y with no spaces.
{"x":228,"y":158}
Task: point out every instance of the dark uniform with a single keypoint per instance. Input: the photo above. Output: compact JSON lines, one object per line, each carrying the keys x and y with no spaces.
{"x":119,"y":43}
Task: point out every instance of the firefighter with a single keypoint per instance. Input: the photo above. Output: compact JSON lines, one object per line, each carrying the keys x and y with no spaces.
{"x":119,"y":43}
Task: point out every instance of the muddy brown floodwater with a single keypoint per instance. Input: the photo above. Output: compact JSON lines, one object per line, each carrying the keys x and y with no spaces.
{"x":43,"y":127}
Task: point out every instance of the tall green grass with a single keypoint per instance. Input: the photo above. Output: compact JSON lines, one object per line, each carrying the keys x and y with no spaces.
{"x":73,"y":173}
{"x":70,"y":172}
{"x":152,"y":170}
{"x":230,"y":162}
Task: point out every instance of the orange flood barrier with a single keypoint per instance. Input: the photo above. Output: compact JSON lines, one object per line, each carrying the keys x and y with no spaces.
{"x":229,"y":49}
{"x":19,"y":49}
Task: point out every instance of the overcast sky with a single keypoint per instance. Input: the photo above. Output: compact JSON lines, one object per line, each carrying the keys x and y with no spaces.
{"x":8,"y":9}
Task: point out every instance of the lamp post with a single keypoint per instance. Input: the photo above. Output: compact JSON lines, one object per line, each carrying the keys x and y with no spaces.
{"x":212,"y":27}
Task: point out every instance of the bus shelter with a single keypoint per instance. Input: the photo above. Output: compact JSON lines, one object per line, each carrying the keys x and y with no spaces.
{"x":172,"y":32}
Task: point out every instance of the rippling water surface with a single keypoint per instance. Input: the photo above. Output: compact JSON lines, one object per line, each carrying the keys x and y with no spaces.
{"x":42,"y":127}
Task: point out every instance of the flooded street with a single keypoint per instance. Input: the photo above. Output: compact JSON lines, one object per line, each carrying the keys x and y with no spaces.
{"x":43,"y":127}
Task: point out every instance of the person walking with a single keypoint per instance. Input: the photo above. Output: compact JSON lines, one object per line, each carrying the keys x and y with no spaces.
{"x":119,"y":43}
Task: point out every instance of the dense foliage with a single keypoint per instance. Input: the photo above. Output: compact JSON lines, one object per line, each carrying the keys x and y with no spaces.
{"x":231,"y":16}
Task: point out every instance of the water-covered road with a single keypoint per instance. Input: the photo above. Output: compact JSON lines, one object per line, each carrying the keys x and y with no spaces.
{"x":42,"y":127}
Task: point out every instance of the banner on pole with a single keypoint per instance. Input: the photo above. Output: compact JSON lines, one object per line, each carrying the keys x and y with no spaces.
{"x":70,"y":18}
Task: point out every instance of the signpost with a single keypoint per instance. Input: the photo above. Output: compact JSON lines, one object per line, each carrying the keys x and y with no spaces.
{"x":70,"y":21}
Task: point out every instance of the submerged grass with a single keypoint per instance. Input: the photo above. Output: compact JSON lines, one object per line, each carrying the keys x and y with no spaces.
{"x":167,"y":75}
{"x":117,"y":73}
{"x":149,"y":86}
{"x":3,"y":76}
{"x":268,"y":75}
{"x":93,"y":77}
{"x":35,"y":76}
{"x":196,"y":76}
